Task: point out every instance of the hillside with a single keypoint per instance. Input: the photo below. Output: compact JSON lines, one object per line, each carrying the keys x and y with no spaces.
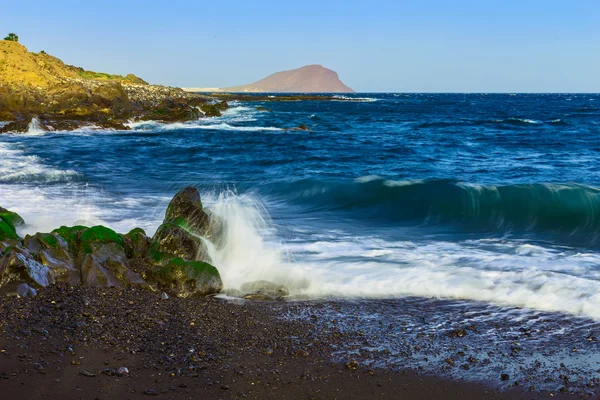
{"x":21,"y":67}
{"x":64,"y":97}
{"x":308,"y":79}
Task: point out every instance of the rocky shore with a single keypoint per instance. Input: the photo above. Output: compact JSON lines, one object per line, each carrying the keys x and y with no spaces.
{"x":104,"y":343}
{"x":174,"y":261}
{"x":90,"y":313}
{"x":63,"y":97}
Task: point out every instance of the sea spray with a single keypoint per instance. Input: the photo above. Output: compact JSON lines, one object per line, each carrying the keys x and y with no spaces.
{"x":243,"y":254}
{"x":35,"y":128}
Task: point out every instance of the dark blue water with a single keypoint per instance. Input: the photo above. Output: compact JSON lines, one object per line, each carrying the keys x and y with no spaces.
{"x":475,"y":196}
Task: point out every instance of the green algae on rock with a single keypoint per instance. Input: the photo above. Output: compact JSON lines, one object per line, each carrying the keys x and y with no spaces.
{"x":187,"y":278}
{"x":136,"y":243}
{"x":176,"y":260}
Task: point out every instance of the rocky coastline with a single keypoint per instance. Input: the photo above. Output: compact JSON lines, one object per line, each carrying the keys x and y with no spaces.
{"x":174,"y":262}
{"x":58,"y":97}
{"x":64,"y":97}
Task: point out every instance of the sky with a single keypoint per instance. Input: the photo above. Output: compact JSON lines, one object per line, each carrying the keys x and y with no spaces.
{"x":375,"y":45}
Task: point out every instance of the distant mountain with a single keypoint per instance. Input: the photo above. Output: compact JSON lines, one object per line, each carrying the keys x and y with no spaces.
{"x":308,"y":79}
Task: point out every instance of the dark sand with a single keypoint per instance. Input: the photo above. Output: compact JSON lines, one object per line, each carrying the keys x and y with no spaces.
{"x":67,"y":343}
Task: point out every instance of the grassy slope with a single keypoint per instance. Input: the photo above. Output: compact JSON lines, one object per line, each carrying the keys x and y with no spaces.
{"x":21,"y":67}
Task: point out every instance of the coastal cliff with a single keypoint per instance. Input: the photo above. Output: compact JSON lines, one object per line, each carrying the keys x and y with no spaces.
{"x":64,"y":97}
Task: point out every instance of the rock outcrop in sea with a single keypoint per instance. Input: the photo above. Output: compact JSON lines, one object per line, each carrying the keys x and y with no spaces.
{"x":64,"y":97}
{"x":174,"y":261}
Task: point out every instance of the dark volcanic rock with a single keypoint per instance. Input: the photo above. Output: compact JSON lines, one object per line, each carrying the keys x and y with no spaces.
{"x":17,"y":266}
{"x":187,"y":278}
{"x":171,"y":111}
{"x":176,"y":260}
{"x":178,"y":242}
{"x":53,"y":251}
{"x":9,"y":221}
{"x":136,"y":243}
{"x":20,"y":125}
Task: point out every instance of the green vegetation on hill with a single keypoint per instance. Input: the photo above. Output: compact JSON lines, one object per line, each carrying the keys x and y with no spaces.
{"x":12,"y":37}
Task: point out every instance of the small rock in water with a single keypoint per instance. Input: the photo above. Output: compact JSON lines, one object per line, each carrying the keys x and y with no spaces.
{"x":123,"y":371}
{"x":458,"y":333}
{"x":164,"y":296}
{"x":504,"y":377}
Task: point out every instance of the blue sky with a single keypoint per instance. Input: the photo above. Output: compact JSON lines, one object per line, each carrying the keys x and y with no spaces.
{"x":404,"y":46}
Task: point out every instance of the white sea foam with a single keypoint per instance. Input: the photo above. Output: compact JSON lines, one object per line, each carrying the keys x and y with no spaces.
{"x":337,"y":265}
{"x":359,"y":99}
{"x":319,"y":262}
{"x":17,"y":167}
{"x":206,"y":124}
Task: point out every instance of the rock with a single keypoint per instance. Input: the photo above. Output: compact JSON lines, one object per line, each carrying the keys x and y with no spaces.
{"x":458,"y":333}
{"x":164,"y":296}
{"x":87,"y":373}
{"x":261,"y":108}
{"x":504,"y":377}
{"x":186,"y":278}
{"x":222,"y":105}
{"x":352,"y":365}
{"x":72,"y":236}
{"x":136,"y":243}
{"x":123,"y":371}
{"x":301,"y":353}
{"x":92,"y":239}
{"x":172,"y":241}
{"x":108,"y":372}
{"x":9,"y":221}
{"x":186,"y":211}
{"x":263,"y":290}
{"x":172,"y":111}
{"x":101,"y":254}
{"x":151,"y":392}
{"x":18,"y":126}
{"x":53,"y":251}
{"x":24,"y":290}
{"x":107,"y":266}
{"x":301,"y":127}
{"x":17,"y":266}
{"x":210,"y":110}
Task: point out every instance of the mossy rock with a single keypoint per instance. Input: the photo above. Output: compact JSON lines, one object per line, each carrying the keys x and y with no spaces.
{"x":187,"y":278}
{"x":17,"y":265}
{"x":71,"y":235}
{"x":52,"y":250}
{"x":7,"y":231}
{"x":178,"y":242}
{"x":210,"y":110}
{"x":136,"y":243}
{"x":41,"y":241}
{"x":11,"y":218}
{"x":98,"y":235}
{"x":222,"y":106}
{"x":186,"y":211}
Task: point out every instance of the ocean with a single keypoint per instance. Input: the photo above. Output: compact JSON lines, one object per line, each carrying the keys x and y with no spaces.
{"x":475,"y":198}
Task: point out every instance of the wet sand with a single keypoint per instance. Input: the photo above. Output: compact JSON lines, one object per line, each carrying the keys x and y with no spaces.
{"x":69,"y":343}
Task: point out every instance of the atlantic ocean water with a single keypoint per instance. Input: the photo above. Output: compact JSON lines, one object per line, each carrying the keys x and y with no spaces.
{"x":478,"y":198}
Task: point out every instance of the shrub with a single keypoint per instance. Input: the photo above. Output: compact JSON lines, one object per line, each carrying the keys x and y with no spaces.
{"x":12,"y":37}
